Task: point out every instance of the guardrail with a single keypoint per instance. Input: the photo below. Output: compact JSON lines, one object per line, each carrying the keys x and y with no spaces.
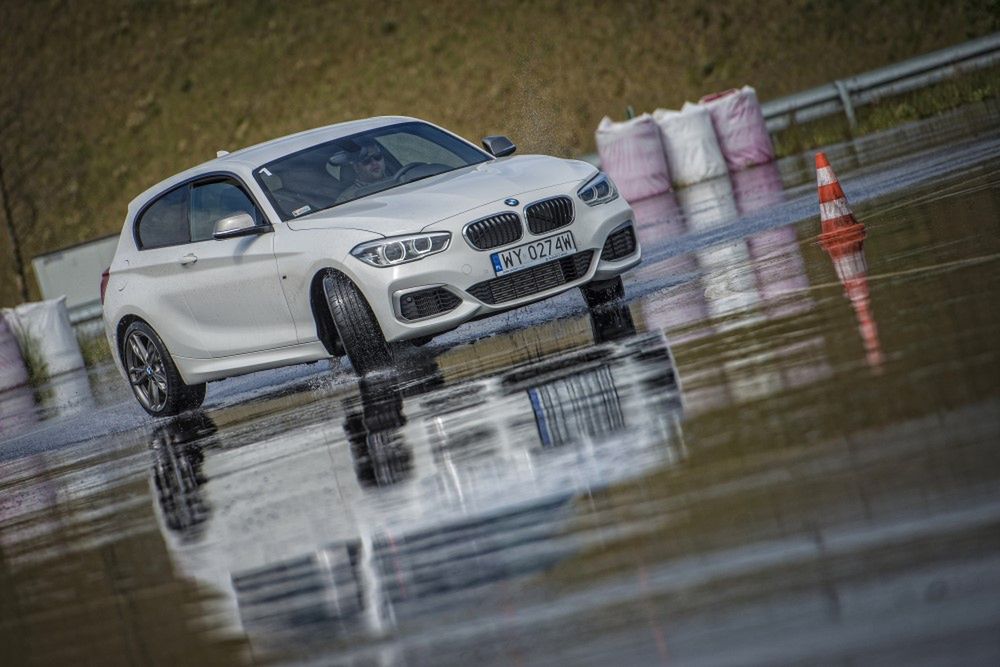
{"x":843,"y":95}
{"x":846,"y":94}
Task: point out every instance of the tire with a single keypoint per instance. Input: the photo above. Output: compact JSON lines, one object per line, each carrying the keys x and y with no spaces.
{"x":152,"y":375}
{"x":600,"y":293}
{"x":357,"y":327}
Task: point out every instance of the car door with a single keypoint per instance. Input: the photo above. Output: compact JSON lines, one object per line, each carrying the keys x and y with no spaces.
{"x":232,"y":286}
{"x":161,"y":233}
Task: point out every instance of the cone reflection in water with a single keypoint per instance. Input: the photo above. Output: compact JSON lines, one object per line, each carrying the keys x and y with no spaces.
{"x":843,"y":239}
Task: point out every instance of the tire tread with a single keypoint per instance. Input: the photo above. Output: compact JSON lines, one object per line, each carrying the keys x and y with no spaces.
{"x":357,"y":326}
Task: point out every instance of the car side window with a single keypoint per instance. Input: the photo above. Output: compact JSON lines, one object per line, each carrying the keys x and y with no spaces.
{"x":165,"y":223}
{"x":214,"y":200}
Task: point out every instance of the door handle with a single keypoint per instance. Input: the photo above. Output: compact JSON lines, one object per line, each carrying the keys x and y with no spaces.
{"x":189,"y":258}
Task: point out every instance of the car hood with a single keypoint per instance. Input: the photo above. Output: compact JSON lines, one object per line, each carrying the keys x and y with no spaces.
{"x":411,"y":207}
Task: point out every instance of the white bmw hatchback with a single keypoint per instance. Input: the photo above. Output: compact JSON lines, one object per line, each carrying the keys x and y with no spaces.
{"x":343,"y":241}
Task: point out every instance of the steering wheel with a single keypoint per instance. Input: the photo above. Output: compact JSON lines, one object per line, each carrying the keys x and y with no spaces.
{"x":405,"y":169}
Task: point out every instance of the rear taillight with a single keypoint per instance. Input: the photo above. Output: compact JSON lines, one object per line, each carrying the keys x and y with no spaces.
{"x":104,"y":282}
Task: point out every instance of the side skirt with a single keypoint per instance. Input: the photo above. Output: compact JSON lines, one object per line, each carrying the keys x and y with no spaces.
{"x":195,"y":371}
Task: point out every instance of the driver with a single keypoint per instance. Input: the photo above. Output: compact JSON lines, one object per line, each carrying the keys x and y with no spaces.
{"x":369,"y":167}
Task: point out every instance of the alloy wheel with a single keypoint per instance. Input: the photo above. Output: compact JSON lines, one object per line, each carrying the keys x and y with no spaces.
{"x":146,"y":374}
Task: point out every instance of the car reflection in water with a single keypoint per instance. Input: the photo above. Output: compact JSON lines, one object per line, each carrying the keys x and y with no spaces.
{"x":178,"y":455}
{"x":458,"y":492}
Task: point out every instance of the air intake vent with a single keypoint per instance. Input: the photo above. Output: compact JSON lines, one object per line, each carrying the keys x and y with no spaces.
{"x":427,"y":303}
{"x":544,"y":216}
{"x":534,"y":280}
{"x":494,"y":231}
{"x":619,"y":245}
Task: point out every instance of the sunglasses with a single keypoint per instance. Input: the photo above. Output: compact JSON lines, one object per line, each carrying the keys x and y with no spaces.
{"x":371,"y":159}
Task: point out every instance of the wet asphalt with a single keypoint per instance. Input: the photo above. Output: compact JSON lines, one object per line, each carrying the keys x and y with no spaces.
{"x":772,"y":452}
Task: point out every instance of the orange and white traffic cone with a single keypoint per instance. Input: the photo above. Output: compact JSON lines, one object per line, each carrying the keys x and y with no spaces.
{"x":843,"y":239}
{"x":841,"y":233}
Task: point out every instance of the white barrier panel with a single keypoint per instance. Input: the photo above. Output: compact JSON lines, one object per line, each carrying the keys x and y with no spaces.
{"x":46,"y":325}
{"x":13,"y":372}
{"x":75,"y":272}
{"x":632,"y":153}
{"x":739,"y":126}
{"x":693,"y":152}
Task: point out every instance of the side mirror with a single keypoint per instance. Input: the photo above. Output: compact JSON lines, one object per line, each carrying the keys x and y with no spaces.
{"x":498,"y":146}
{"x":238,"y":224}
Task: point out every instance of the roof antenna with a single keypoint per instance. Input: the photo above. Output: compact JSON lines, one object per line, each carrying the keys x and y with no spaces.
{"x":221,"y":153}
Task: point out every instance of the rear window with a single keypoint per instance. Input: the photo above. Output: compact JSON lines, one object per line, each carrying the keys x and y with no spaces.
{"x":165,"y":222}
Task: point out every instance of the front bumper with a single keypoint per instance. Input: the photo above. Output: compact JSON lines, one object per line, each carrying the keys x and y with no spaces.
{"x":448,"y":276}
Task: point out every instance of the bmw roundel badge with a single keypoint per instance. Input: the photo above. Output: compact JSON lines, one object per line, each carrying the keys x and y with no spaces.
{"x":511,"y":202}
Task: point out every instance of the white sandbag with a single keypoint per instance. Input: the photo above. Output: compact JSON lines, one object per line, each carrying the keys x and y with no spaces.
{"x":46,"y":325}
{"x":632,"y":153}
{"x":739,"y":127}
{"x":13,"y":372}
{"x":693,"y":153}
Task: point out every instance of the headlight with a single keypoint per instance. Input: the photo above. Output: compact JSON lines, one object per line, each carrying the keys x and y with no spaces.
{"x":401,"y":249}
{"x":598,"y":190}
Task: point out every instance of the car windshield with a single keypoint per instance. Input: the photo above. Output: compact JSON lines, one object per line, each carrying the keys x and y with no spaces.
{"x":361,"y":164}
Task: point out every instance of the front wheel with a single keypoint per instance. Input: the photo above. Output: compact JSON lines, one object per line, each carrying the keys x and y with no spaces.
{"x":357,"y":327}
{"x":155,"y":380}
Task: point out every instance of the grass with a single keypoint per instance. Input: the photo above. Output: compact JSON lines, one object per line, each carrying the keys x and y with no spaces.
{"x":890,"y":112}
{"x":94,"y":348}
{"x":31,"y":353}
{"x":100,"y":100}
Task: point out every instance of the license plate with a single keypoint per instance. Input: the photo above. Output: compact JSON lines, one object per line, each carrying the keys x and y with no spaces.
{"x":530,"y":254}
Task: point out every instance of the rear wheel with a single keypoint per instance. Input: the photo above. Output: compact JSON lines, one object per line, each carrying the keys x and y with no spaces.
{"x":357,"y":327}
{"x":155,"y":380}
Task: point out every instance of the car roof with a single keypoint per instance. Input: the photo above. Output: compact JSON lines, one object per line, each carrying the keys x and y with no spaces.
{"x":245,"y":159}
